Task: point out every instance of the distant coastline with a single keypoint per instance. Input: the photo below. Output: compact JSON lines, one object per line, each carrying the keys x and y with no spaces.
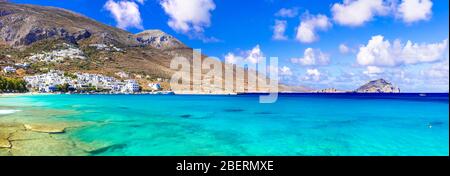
{"x":213,"y":94}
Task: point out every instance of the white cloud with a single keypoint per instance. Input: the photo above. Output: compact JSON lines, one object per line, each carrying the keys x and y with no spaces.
{"x":312,"y":75}
{"x":231,"y":58}
{"x":380,"y":52}
{"x":306,"y":31}
{"x":287,"y":12}
{"x":251,"y":56}
{"x":437,"y":71}
{"x":373,"y":71}
{"x":344,"y":49}
{"x":126,"y":13}
{"x":357,"y":12}
{"x":312,"y":57}
{"x":188,"y":16}
{"x":254,"y":55}
{"x":285,"y":71}
{"x":414,"y":10}
{"x":279,"y":29}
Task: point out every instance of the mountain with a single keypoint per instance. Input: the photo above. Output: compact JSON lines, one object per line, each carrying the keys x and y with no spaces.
{"x":57,"y":39}
{"x":23,"y":25}
{"x":158,"y":39}
{"x":378,"y":86}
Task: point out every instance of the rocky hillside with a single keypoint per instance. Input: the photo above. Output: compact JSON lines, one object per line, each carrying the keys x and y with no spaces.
{"x":158,"y":39}
{"x":57,"y":39}
{"x":378,"y":86}
{"x":23,"y":25}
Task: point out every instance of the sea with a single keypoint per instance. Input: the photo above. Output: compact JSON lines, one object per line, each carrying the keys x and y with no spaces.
{"x":406,"y":124}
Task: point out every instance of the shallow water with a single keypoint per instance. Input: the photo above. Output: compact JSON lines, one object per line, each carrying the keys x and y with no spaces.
{"x":297,"y":124}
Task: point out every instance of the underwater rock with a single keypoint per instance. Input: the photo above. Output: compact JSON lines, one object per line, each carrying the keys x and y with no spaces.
{"x":27,"y":135}
{"x":107,"y":148}
{"x":45,"y":128}
{"x":189,"y":116}
{"x":263,"y":113}
{"x":436,"y":123}
{"x":4,"y":142}
{"x":185,"y":116}
{"x":5,"y":134}
{"x":21,"y":139}
{"x":233,"y":110}
{"x":45,"y":147}
{"x":4,"y":152}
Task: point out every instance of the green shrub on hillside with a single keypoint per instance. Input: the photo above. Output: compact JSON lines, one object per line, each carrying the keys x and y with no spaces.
{"x":12,"y":85}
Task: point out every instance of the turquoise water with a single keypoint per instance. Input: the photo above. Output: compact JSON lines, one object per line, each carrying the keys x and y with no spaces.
{"x":297,"y":124}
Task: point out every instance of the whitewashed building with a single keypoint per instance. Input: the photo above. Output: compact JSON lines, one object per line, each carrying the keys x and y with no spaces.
{"x":131,"y":86}
{"x":9,"y":69}
{"x":45,"y":82}
{"x":155,"y":86}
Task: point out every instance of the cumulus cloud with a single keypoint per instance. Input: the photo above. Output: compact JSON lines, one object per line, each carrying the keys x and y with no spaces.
{"x":125,"y":13}
{"x":279,"y":29}
{"x":254,"y":55}
{"x":373,"y":71}
{"x":438,"y":71}
{"x":380,"y":52}
{"x":285,"y":71}
{"x":312,"y":75}
{"x":306,"y":31}
{"x":231,"y":58}
{"x":251,"y":56}
{"x":312,"y":57}
{"x":287,"y":12}
{"x":357,"y":12}
{"x":188,"y":16}
{"x":344,"y":49}
{"x":414,"y":10}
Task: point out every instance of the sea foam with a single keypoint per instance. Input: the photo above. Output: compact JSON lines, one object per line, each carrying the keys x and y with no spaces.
{"x":8,"y":111}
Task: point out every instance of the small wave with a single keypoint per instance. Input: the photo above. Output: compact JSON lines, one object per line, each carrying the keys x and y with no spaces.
{"x":7,"y":111}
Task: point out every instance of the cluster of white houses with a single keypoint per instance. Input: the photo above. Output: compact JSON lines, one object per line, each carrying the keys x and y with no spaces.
{"x":58,"y":55}
{"x":104,"y":47}
{"x":80,"y":81}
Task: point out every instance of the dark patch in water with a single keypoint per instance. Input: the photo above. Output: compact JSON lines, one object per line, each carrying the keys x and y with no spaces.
{"x":186,"y":116}
{"x":436,"y":123}
{"x":336,"y":123}
{"x":344,"y":122}
{"x":123,"y":107}
{"x":264,"y":113}
{"x":108,"y":148}
{"x":233,"y":110}
{"x":189,"y":116}
{"x":136,"y":126}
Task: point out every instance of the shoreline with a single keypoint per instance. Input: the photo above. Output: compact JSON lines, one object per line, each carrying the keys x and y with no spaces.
{"x":204,"y":93}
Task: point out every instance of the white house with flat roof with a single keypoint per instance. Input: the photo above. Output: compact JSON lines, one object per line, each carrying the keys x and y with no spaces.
{"x":9,"y":69}
{"x":131,"y":86}
{"x":155,"y":86}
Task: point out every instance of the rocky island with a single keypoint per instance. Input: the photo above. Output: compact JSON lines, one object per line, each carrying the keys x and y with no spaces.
{"x":375,"y":86}
{"x":378,"y":86}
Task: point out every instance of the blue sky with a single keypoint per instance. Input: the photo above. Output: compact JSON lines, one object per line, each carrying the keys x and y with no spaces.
{"x":352,"y":41}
